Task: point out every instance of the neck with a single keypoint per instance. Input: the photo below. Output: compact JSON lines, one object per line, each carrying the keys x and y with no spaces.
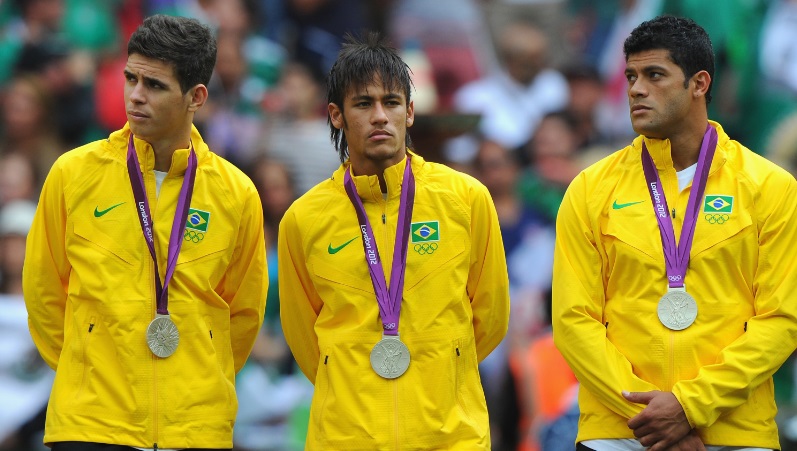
{"x":685,"y":147}
{"x":163,"y":161}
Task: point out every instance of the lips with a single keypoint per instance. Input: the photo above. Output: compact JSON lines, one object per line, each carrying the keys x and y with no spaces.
{"x":636,"y":108}
{"x":137,"y":114}
{"x":379,"y":134}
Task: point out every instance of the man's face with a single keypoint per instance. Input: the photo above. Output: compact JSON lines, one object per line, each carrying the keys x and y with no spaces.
{"x":156,"y":108}
{"x":374,"y":120}
{"x":660,"y":104}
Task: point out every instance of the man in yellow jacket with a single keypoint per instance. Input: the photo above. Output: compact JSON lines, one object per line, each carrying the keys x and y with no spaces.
{"x":674,"y":270}
{"x":145,"y":273}
{"x":393,"y":283}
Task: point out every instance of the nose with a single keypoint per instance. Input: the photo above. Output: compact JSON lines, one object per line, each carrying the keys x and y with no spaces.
{"x":136,"y":93}
{"x":379,"y":115}
{"x":637,"y":89}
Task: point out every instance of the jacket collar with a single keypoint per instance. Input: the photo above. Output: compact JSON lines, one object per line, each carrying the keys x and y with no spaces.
{"x":146,"y":156}
{"x":368,"y":185}
{"x":660,"y":149}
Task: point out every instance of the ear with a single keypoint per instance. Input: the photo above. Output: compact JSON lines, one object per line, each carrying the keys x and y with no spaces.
{"x":702,"y":82}
{"x":198,"y":95}
{"x":335,"y":115}
{"x":410,"y":113}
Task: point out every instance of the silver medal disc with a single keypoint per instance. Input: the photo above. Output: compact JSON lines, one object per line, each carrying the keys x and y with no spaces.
{"x":162,"y":336}
{"x":390,"y":358}
{"x":677,"y":309}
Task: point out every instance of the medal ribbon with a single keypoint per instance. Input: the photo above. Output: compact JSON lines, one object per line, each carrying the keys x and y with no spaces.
{"x":677,"y":257}
{"x":389,"y":300}
{"x":145,"y":218}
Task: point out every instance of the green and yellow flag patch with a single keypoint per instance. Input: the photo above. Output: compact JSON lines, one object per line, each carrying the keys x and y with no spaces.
{"x":197,"y":220}
{"x":425,"y":232}
{"x":715,"y":203}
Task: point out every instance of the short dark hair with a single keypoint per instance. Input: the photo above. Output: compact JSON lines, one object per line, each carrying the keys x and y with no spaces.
{"x":186,"y":44}
{"x":688,"y":43}
{"x":359,"y":63}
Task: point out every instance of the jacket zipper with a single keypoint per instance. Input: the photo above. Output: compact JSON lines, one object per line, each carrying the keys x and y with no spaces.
{"x":154,"y":372}
{"x":672,"y":361}
{"x":394,"y":383}
{"x":85,"y":351}
{"x":153,"y":202}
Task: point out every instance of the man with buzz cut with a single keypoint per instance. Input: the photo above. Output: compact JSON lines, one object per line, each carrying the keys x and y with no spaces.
{"x":674,"y":269}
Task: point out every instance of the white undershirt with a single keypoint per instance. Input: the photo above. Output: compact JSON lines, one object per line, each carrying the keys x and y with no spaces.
{"x":685,"y":177}
{"x":159,"y":177}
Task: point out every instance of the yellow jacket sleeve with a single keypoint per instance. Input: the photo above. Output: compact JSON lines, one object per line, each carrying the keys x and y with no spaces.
{"x":245,"y":285}
{"x":577,"y":311}
{"x":299,"y":302}
{"x":488,"y":282}
{"x":45,"y":276}
{"x":770,"y":335}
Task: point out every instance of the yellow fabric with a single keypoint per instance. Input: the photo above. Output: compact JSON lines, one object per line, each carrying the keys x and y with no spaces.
{"x":609,"y":274}
{"x":455,"y":310}
{"x":90,"y":292}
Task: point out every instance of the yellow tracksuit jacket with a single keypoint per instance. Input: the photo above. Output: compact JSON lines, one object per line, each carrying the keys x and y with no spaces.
{"x":89,"y":286}
{"x":609,"y":274}
{"x":455,"y":310}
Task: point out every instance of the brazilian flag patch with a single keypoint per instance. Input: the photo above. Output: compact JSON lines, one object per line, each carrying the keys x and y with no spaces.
{"x":197,"y":220}
{"x":425,"y":232}
{"x":715,"y":203}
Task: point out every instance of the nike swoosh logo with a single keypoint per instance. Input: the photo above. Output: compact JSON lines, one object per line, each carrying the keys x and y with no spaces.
{"x":617,"y":206}
{"x":98,"y":213}
{"x":334,"y":250}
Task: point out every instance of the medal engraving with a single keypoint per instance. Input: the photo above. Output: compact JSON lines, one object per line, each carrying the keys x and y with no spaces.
{"x":677,"y":309}
{"x":390,"y":358}
{"x":162,"y":336}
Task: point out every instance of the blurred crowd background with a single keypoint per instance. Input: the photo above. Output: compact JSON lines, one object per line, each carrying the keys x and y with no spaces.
{"x":522,"y":94}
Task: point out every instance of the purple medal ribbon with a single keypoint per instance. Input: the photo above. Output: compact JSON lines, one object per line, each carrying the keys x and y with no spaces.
{"x":389,"y":300}
{"x":677,"y":257}
{"x":178,"y":225}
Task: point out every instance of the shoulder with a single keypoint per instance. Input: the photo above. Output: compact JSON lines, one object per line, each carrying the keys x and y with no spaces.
{"x":227,"y":174}
{"x":609,"y":169}
{"x":318,"y":200}
{"x":81,"y":163}
{"x":756,"y":169}
{"x":441,"y":178}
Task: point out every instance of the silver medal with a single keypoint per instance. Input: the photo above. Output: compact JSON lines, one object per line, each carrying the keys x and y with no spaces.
{"x":162,"y":336}
{"x":390,"y":358}
{"x":677,"y":309}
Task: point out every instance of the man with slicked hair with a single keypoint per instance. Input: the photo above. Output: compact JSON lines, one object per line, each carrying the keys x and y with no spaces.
{"x":393,"y":283}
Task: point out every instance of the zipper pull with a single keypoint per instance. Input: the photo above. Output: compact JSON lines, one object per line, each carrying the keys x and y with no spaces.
{"x":383,"y":219}
{"x":673,"y":213}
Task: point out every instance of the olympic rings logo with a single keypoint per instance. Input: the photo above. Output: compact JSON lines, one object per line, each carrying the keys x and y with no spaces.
{"x":716,"y":218}
{"x":425,"y":248}
{"x":193,"y":236}
{"x":674,"y":278}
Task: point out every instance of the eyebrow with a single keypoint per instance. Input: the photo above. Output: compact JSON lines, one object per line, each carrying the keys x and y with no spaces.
{"x":146,"y":78}
{"x":389,"y":96}
{"x":650,"y":68}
